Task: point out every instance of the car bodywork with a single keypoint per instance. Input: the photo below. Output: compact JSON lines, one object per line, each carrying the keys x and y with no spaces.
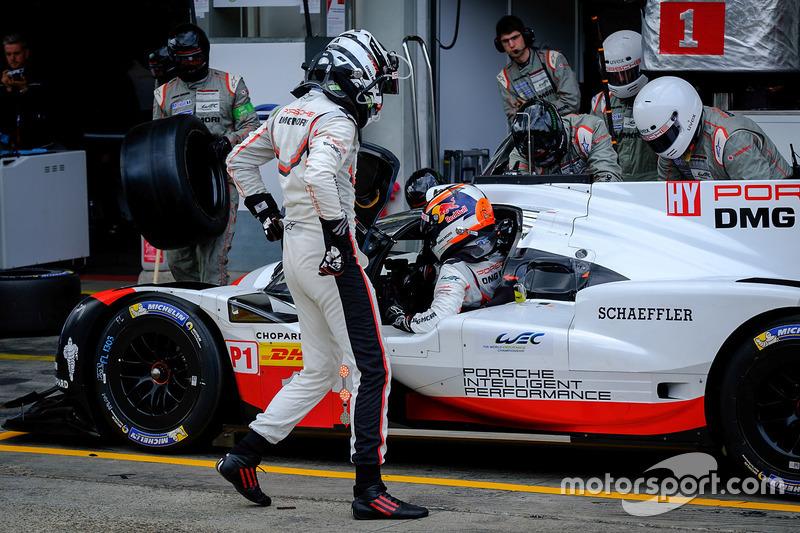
{"x":647,"y":312}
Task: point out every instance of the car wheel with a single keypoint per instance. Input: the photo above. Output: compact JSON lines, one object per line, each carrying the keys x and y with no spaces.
{"x":760,"y":403}
{"x":36,"y":301}
{"x":175,"y":188}
{"x":159,"y":376}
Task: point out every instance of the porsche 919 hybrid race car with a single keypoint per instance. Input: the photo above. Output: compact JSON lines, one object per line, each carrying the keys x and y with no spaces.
{"x":647,"y":312}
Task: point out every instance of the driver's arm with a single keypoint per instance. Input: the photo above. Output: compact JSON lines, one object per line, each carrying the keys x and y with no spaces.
{"x":448,"y":297}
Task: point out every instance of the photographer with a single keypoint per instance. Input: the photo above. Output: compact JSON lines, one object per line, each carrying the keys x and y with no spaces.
{"x":24,"y":120}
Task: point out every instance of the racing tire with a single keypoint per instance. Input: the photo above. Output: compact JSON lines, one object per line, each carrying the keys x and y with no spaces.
{"x":174,"y":185}
{"x":159,"y":380}
{"x":760,"y":404}
{"x":36,"y":301}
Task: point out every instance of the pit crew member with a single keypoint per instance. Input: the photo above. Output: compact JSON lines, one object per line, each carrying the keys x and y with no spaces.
{"x":623,"y":59}
{"x":532,"y":72}
{"x":546,"y":143}
{"x":222,"y":101}
{"x":697,"y":142}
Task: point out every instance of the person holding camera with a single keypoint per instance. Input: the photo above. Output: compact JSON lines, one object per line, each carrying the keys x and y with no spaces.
{"x":24,"y":120}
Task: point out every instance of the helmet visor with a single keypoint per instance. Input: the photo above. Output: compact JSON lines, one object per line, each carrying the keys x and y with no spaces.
{"x":661,"y":139}
{"x":620,"y":78}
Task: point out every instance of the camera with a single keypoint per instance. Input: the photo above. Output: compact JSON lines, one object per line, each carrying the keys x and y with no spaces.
{"x":16,"y":74}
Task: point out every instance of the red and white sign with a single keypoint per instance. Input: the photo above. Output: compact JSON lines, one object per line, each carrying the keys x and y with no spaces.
{"x":692,"y":28}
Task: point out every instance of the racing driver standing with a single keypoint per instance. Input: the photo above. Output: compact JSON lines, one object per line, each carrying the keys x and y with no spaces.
{"x":315,"y":139}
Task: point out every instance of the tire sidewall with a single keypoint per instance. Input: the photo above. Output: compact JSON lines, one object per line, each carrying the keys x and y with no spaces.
{"x":746,"y":371}
{"x":176,"y":190}
{"x":36,"y":301}
{"x":182,"y":322}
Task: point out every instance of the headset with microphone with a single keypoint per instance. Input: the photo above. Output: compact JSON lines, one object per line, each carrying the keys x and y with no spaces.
{"x":527,"y":35}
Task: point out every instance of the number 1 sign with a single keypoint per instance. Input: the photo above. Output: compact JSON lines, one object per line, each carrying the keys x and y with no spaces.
{"x":692,"y":28}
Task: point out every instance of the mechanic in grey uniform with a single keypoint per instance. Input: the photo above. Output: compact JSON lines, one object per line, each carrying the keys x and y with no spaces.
{"x":532,"y":72}
{"x":222,"y":101}
{"x":697,"y":142}
{"x":623,"y":59}
{"x":316,"y":141}
{"x":546,"y":143}
{"x":467,"y":247}
{"x":161,"y":66}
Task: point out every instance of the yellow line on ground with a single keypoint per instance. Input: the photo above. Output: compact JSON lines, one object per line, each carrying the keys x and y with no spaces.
{"x":446,"y":482}
{"x":27,"y":357}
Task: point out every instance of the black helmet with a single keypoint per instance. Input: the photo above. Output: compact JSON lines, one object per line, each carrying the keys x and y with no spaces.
{"x":189,"y":49}
{"x":161,"y":65}
{"x":355,"y":71}
{"x":419,"y":183}
{"x":539,"y":133}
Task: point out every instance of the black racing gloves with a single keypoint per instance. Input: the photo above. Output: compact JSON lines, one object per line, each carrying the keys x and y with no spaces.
{"x":398,"y":318}
{"x":339,"y":249}
{"x":222,"y":147}
{"x":264,"y":208}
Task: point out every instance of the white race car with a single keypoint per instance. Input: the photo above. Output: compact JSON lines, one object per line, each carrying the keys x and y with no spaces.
{"x":651,"y":312}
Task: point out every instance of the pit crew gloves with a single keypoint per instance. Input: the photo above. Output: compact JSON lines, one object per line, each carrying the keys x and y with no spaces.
{"x":339,"y":250}
{"x":264,"y":208}
{"x":222,"y":147}
{"x":397,"y":317}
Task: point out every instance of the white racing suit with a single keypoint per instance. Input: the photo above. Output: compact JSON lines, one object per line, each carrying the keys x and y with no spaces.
{"x":589,"y":151}
{"x":316,"y":143}
{"x":461,"y":285}
{"x":536,"y":78}
{"x":638,"y":161}
{"x":728,"y":147}
{"x":222,"y":102}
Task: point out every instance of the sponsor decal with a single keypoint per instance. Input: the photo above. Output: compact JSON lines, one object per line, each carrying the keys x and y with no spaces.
{"x":762,"y":217}
{"x":179,"y":105}
{"x":526,"y":383}
{"x":527,"y":341}
{"x":207,"y":95}
{"x":781,"y":333}
{"x":207,"y":107}
{"x":670,"y":314}
{"x":280,"y":354}
{"x":301,"y":112}
{"x":244,"y":356}
{"x":683,"y":198}
{"x":161,"y":309}
{"x":293,"y":121}
{"x":775,"y":482}
{"x":158,"y":440}
{"x":70,"y":353}
{"x":278,"y":336}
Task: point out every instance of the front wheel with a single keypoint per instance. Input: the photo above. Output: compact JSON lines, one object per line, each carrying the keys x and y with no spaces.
{"x":159,"y":375}
{"x":760,"y":404}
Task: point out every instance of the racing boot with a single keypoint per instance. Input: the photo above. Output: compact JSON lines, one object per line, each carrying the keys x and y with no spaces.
{"x":240,"y":470}
{"x":375,"y":504}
